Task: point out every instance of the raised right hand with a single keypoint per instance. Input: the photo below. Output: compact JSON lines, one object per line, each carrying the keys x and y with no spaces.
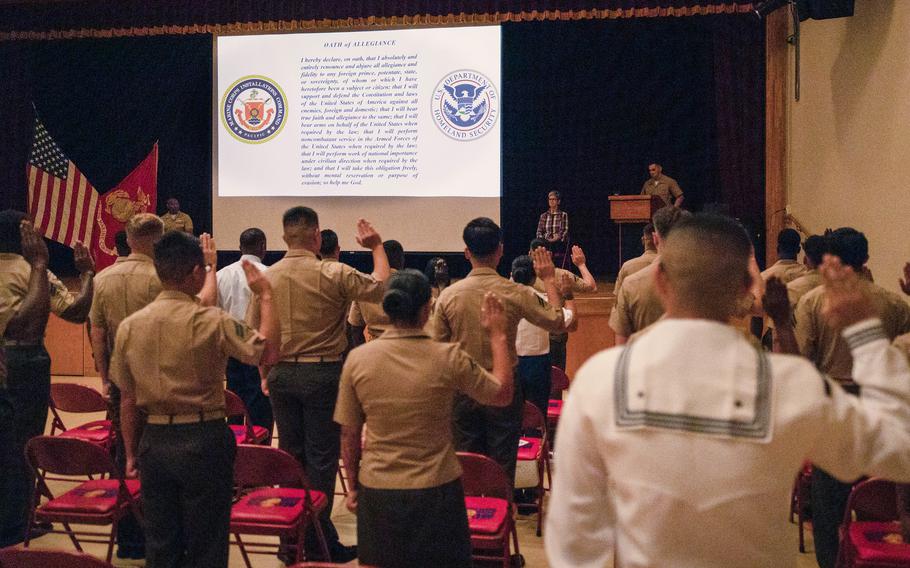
{"x":367,"y":237}
{"x":543,"y":263}
{"x":776,"y":302}
{"x":493,"y":315}
{"x":257,"y":281}
{"x":846,"y":299}
{"x":34,"y":249}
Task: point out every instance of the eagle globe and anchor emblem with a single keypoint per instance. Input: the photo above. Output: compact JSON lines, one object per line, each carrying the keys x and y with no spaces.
{"x":253,"y":109}
{"x":465,"y":105}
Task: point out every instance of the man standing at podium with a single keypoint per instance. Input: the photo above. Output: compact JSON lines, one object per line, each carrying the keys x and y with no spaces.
{"x":662,"y":186}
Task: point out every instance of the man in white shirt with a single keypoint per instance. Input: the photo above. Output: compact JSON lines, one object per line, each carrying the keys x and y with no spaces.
{"x":679,"y":449}
{"x":234,"y":298}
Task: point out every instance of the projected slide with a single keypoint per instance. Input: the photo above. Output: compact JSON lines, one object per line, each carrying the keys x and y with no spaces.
{"x":389,"y":113}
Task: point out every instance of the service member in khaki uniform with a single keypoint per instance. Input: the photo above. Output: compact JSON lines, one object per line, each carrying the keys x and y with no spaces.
{"x":826,"y":348}
{"x":28,"y":364}
{"x":368,"y":321}
{"x":486,"y":430}
{"x":786,"y":268}
{"x":633,"y":265}
{"x":559,"y":339}
{"x":662,"y":186}
{"x":814,"y":248}
{"x":123,"y":288}
{"x":175,"y":219}
{"x":168,"y":361}
{"x":312,"y":298}
{"x":406,"y":489}
{"x":637,"y":303}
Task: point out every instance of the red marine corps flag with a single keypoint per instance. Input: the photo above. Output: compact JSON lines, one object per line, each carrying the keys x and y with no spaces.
{"x":136,"y":193}
{"x":67,"y":209}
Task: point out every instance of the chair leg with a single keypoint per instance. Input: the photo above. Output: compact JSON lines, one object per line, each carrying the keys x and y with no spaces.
{"x":314,"y":518}
{"x":344,"y":483}
{"x":243,"y":553}
{"x":801,"y":528}
{"x":110,"y":542}
{"x":72,"y":536}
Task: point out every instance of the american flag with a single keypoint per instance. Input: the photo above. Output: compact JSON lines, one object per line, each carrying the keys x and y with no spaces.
{"x":61,"y":201}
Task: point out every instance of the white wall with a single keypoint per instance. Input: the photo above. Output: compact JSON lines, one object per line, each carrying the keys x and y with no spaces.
{"x":849,"y":135}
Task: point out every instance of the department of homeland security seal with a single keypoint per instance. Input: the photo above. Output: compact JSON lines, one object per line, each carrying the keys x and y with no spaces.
{"x":465,"y":105}
{"x":253,"y":109}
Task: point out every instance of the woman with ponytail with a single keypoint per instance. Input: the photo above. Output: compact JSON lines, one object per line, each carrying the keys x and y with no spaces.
{"x":406,"y":481}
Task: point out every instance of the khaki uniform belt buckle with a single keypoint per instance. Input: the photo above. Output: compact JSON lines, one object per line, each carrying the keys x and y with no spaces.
{"x":189,"y":418}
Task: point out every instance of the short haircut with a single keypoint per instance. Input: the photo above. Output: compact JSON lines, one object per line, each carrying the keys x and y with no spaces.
{"x":10,"y":236}
{"x":850,"y":246}
{"x":815,"y":248}
{"x":329,"y":242}
{"x":252,"y":239}
{"x":144,"y":226}
{"x":482,"y":236}
{"x":123,"y":247}
{"x":430,"y":270}
{"x":648,"y":231}
{"x":523,"y":270}
{"x":555,"y":194}
{"x":666,"y":218}
{"x":788,"y":242}
{"x":408,"y":292}
{"x":176,"y":255}
{"x":395,"y":253}
{"x":300,"y":216}
{"x":537,"y":243}
{"x":706,"y":261}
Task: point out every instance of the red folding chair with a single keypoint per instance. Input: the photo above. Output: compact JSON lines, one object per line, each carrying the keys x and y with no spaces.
{"x":488,"y":499}
{"x":245,"y":433}
{"x":94,"y":502}
{"x":70,"y":397}
{"x":871,"y":533}
{"x":33,"y":558}
{"x":274,"y":499}
{"x":800,"y":498}
{"x":533,"y":457}
{"x":559,"y":382}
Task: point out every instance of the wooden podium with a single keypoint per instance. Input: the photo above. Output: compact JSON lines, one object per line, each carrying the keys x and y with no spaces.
{"x":632,"y":209}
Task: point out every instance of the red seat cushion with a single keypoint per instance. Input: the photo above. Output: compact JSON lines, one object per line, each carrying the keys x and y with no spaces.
{"x":97,"y":432}
{"x":879,"y":542}
{"x":282,"y":505}
{"x":486,"y":515}
{"x":97,"y":496}
{"x":554,"y":408}
{"x":259,"y":433}
{"x":529,"y":449}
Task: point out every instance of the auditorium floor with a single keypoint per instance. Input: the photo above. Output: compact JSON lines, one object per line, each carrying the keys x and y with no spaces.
{"x":531,"y":545}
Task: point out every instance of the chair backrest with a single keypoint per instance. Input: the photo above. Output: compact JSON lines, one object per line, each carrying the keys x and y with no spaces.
{"x":70,"y":397}
{"x":233,"y":405}
{"x":265,"y":466}
{"x":559,"y":381}
{"x":873,"y":500}
{"x":68,"y":456}
{"x":532,"y":418}
{"x":36,"y":558}
{"x":483,"y":477}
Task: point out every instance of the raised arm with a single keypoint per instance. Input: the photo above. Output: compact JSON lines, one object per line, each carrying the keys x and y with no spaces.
{"x":269,"y":324}
{"x":30,"y":320}
{"x":777,"y":306}
{"x":579,"y":260}
{"x":367,"y":237}
{"x":208,"y":296}
{"x":78,"y":311}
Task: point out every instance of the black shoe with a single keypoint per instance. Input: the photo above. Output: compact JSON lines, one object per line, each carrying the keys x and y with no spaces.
{"x":342,"y":554}
{"x":131,"y":552}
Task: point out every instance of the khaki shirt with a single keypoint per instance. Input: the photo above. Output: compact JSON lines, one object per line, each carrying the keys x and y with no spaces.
{"x":371,"y":316}
{"x":14,"y":274}
{"x":312,"y":298}
{"x":457,"y":315}
{"x":123,"y":288}
{"x":173,"y":352}
{"x":824,"y":345}
{"x":578,"y":284}
{"x":632,"y":266}
{"x":799,"y":287}
{"x":663,"y":187}
{"x":637,"y":304}
{"x":177,"y":222}
{"x":402,"y":386}
{"x":786,"y":270}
